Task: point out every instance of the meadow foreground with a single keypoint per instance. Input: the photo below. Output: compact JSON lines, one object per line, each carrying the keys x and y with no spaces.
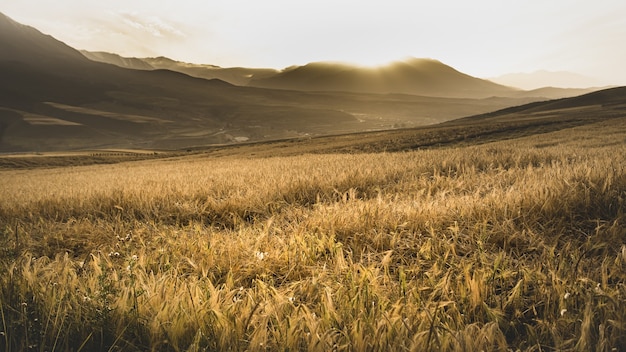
{"x":514,"y":244}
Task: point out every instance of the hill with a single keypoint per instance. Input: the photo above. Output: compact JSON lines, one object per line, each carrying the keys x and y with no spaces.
{"x":239,"y":76}
{"x":425,"y":77}
{"x":242,"y":76}
{"x":53,"y":98}
{"x":117,"y":60}
{"x":604,"y":103}
{"x":555,"y":92}
{"x":234,"y":75}
{"x":529,"y":119}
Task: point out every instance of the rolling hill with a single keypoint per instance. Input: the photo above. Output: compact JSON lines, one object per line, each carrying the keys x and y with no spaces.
{"x":53,"y":98}
{"x":424,"y":77}
{"x":412,"y":76}
{"x":306,"y":79}
{"x":117,"y":60}
{"x":234,"y":75}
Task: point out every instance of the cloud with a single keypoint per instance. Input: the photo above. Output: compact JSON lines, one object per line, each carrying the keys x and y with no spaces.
{"x":152,"y":25}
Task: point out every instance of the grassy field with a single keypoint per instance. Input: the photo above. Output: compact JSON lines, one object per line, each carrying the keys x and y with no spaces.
{"x":511,"y":244}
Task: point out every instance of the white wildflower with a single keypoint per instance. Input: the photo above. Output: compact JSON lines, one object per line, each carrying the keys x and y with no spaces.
{"x":134,"y":258}
{"x":563,"y":311}
{"x":566,"y":295}
{"x":260,"y":255}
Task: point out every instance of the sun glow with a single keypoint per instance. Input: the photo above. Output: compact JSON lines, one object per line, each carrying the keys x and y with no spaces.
{"x":372,"y":62}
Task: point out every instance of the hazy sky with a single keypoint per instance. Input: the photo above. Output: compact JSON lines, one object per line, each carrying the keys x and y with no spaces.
{"x":483,"y":38}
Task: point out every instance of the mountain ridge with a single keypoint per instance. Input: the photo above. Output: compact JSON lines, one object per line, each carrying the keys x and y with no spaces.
{"x":242,"y":76}
{"x":426,"y":77}
{"x":544,"y":78}
{"x":53,"y":98}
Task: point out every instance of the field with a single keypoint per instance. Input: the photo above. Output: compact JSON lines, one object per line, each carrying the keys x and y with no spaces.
{"x":494,"y":244}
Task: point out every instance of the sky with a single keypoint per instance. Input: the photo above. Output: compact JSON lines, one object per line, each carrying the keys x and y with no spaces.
{"x":483,"y":38}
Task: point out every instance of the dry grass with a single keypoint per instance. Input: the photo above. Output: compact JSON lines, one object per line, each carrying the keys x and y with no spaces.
{"x":508,"y":245}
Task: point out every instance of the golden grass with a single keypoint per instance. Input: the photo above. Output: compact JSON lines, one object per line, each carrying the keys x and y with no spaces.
{"x":508,"y":245}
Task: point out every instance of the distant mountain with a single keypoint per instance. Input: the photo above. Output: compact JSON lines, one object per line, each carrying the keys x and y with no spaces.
{"x":425,"y":77}
{"x":543,"y":78}
{"x":53,"y":98}
{"x":117,"y":60}
{"x":239,"y":76}
{"x":554,"y":93}
{"x":301,"y":80}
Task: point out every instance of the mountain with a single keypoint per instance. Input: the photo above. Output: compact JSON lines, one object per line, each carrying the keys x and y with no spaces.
{"x":413,"y":76}
{"x":555,"y":93}
{"x":25,"y":44}
{"x":425,"y":77}
{"x":117,"y":60}
{"x":543,"y":78}
{"x":239,"y":76}
{"x":53,"y":98}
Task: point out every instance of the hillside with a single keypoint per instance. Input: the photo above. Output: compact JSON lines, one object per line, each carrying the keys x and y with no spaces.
{"x":239,"y":76}
{"x":242,"y":76}
{"x":53,"y":98}
{"x":525,"y":120}
{"x":607,"y":103}
{"x":117,"y":60}
{"x":554,"y":92}
{"x":491,"y":236}
{"x":413,"y":76}
{"x":534,"y":119}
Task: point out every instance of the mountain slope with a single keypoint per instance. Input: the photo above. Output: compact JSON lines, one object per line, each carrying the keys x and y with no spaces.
{"x":242,"y":76}
{"x":414,"y":76}
{"x":606,"y":103}
{"x":53,"y":98}
{"x":239,"y":76}
{"x":117,"y":60}
{"x":25,"y":44}
{"x":555,"y":93}
{"x":521,"y":121}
